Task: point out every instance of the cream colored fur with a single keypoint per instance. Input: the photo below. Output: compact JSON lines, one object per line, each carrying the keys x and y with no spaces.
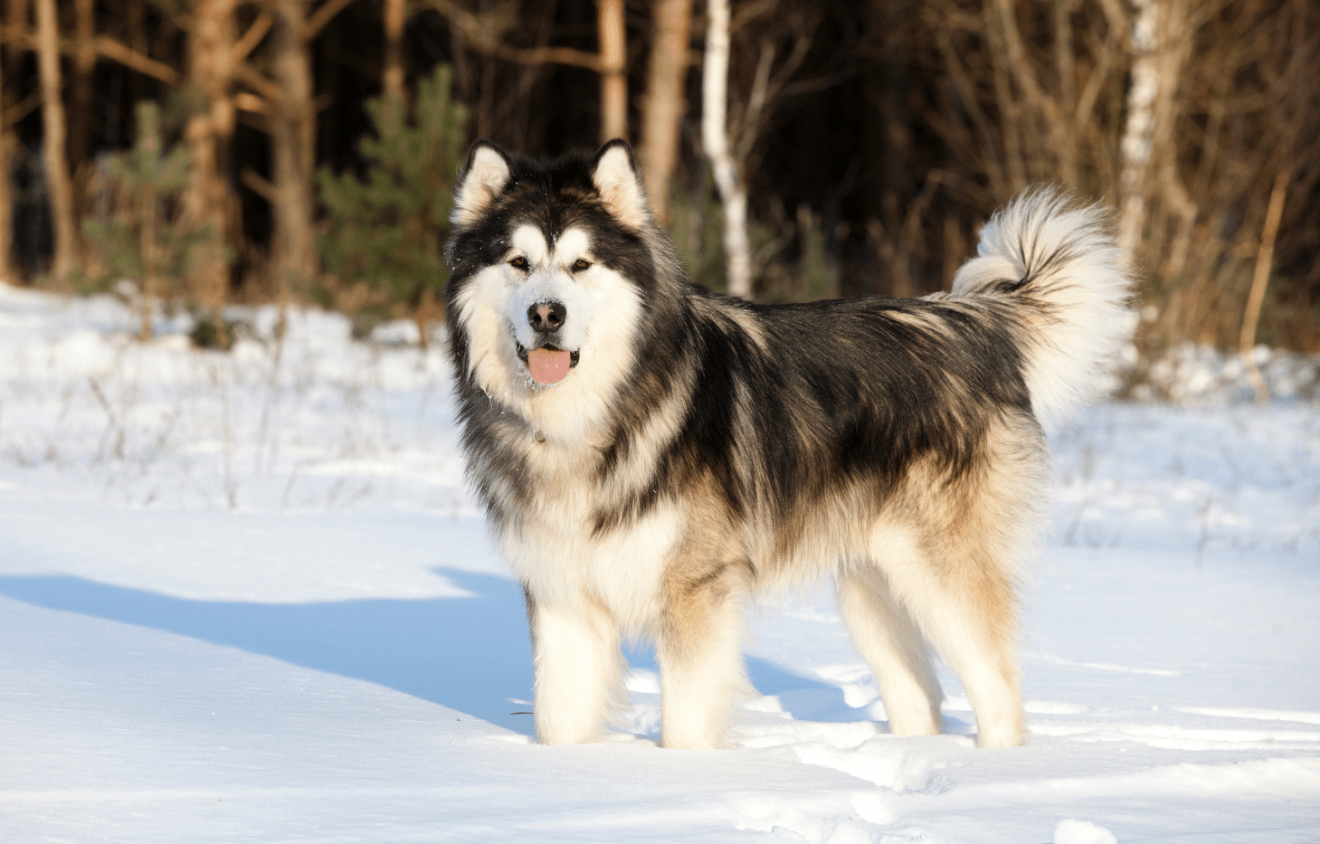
{"x":1082,"y":314}
{"x":937,"y":561}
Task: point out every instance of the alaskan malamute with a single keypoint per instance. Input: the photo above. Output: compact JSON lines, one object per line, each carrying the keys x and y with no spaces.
{"x":652,"y":455}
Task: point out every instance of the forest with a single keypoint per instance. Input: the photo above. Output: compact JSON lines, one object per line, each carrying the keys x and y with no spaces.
{"x":202,"y":153}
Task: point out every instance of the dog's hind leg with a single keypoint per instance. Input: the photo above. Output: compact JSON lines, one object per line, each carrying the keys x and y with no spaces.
{"x":698,"y":648}
{"x":973,"y":626}
{"x":890,"y":642}
{"x":966,"y":605}
{"x":579,"y":669}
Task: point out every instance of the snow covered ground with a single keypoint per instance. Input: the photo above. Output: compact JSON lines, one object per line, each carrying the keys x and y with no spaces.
{"x":246,"y":597}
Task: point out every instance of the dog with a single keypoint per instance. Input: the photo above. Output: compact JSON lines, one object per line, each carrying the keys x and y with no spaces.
{"x":653,"y":456}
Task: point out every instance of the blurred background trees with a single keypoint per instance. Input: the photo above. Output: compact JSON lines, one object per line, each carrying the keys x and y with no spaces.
{"x":865,"y":141}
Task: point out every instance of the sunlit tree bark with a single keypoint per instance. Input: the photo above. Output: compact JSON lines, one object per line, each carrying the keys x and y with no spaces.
{"x":293,"y":135}
{"x":392,"y":73}
{"x":613,"y":70}
{"x":8,"y":145}
{"x":209,"y":201}
{"x":662,"y":111}
{"x":58,"y":183}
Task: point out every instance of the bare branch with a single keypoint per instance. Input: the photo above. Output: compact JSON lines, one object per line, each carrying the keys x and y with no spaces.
{"x":259,"y":185}
{"x":143,"y":64}
{"x":1260,"y":278}
{"x":21,"y":109}
{"x":1109,"y":51}
{"x":108,"y":48}
{"x":250,"y":39}
{"x":480,"y":36}
{"x":323,"y":16}
{"x":255,"y":80}
{"x":750,"y":126}
{"x":247,"y":101}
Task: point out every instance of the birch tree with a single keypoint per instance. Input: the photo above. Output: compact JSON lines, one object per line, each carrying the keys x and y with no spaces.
{"x":1160,"y":44}
{"x":715,"y":141}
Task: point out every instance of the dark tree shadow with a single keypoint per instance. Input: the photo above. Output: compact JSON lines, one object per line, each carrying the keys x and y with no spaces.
{"x":468,"y":653}
{"x":471,"y":654}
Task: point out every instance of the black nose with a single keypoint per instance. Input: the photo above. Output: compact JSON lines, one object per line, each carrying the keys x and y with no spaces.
{"x":545,"y":317}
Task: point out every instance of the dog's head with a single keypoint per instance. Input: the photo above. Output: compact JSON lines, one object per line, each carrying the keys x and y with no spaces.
{"x":550,"y":266}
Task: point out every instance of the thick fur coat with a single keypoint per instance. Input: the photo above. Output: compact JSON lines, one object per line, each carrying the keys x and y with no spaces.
{"x":653,"y":456}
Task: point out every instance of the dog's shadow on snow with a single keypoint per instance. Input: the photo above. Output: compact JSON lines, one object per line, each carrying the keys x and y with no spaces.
{"x":468,"y":653}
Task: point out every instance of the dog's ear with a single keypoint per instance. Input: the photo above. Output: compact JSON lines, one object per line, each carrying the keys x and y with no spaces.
{"x":484,"y":175}
{"x":616,"y":178}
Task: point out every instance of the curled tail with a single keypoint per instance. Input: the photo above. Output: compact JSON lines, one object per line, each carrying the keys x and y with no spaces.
{"x":1059,"y":264}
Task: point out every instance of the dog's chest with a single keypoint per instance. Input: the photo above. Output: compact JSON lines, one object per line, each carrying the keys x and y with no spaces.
{"x":560,"y":551}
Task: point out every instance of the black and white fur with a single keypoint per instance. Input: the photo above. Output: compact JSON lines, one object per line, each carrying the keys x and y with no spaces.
{"x":703,"y":450}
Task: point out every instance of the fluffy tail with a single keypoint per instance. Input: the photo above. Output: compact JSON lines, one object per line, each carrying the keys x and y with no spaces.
{"x":1061,"y":267}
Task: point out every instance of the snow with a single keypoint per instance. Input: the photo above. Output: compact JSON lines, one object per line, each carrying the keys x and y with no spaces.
{"x":1188,"y":374}
{"x":247,"y":597}
{"x":1082,"y":832}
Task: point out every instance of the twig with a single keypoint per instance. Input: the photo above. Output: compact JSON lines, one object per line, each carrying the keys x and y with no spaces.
{"x":323,"y":16}
{"x":486,"y":39}
{"x":230,"y":486}
{"x":288,"y":488}
{"x":1261,"y":278}
{"x":1088,"y":469}
{"x":250,"y":39}
{"x":112,"y":420}
{"x":1205,"y":529}
{"x":154,"y":451}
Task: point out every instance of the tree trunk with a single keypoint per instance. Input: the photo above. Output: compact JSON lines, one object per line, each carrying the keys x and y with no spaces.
{"x":80,"y":102}
{"x":293,"y":135}
{"x":58,"y":184}
{"x":209,"y":202}
{"x":392,"y":75}
{"x":10,"y":148}
{"x":715,"y":138}
{"x":134,"y":34}
{"x":7,"y":146}
{"x":147,"y":245}
{"x":889,"y":128}
{"x":17,"y":21}
{"x":613,"y":70}
{"x":665,"y":104}
{"x":1160,"y":42}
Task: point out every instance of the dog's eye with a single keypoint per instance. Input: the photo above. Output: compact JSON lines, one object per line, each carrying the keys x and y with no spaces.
{"x":580,"y":264}
{"x":519,"y":263}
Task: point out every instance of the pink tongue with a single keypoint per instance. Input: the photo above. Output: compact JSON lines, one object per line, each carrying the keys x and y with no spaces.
{"x":548,"y":367}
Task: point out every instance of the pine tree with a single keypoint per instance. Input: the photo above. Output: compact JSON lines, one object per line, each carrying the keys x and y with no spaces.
{"x":139,"y":243}
{"x":388,"y":232}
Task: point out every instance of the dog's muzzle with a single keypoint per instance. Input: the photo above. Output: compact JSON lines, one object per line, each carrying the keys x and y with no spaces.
{"x":547,"y":362}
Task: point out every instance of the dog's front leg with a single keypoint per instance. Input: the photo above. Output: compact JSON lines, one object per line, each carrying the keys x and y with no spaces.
{"x":699,"y":653}
{"x":579,"y":669}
